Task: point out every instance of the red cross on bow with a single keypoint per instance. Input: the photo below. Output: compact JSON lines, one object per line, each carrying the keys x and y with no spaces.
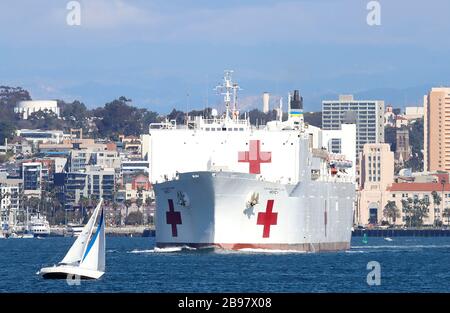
{"x":267,"y":219}
{"x":173,"y":218}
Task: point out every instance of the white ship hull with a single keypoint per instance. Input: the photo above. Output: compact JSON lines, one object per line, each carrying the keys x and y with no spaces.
{"x":211,"y":209}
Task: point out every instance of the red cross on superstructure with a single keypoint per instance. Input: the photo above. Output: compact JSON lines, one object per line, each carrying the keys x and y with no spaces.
{"x":255,"y":157}
{"x":173,"y":218}
{"x":267,"y":219}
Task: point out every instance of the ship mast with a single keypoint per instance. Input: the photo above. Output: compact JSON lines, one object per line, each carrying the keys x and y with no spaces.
{"x":227,"y":89}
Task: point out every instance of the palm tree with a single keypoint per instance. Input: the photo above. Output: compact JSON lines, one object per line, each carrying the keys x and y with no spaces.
{"x":391,"y":211}
{"x":436,"y":201}
{"x":84,"y":202}
{"x":407,"y":209}
{"x":127,"y":205}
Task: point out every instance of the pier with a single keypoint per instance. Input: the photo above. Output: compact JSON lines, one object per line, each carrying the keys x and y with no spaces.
{"x":124,"y":231}
{"x":419,"y":232}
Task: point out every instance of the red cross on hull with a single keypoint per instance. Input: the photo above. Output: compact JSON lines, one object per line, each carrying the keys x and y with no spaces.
{"x":255,"y":157}
{"x":173,"y":218}
{"x":267,"y":219}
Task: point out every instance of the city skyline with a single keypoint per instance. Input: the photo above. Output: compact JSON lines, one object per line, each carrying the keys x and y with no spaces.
{"x":171,"y":54}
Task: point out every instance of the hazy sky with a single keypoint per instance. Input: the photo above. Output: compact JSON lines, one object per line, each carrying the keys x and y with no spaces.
{"x":157,"y":52}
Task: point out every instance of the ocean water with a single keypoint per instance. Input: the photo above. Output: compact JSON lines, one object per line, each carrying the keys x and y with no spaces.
{"x":133,"y":265}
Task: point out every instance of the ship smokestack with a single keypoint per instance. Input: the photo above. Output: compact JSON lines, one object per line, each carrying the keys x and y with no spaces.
{"x":296,"y":105}
{"x":297,"y":101}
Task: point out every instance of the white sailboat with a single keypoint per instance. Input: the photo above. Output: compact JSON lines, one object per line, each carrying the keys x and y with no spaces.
{"x":86,"y":258}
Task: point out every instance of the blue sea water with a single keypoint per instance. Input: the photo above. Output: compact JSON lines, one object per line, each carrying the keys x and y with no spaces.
{"x":133,"y":265}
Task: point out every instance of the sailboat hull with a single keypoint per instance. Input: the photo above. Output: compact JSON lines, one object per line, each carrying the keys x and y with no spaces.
{"x":69,"y":272}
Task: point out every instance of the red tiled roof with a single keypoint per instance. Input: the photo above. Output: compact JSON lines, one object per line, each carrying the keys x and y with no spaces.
{"x":418,"y":187}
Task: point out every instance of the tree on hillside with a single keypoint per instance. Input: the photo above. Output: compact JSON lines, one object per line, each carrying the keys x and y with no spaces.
{"x":46,"y":120}
{"x":120,"y":117}
{"x":9,"y":96}
{"x":258,"y":117}
{"x":7,"y":130}
{"x":74,"y":114}
{"x":178,"y":116}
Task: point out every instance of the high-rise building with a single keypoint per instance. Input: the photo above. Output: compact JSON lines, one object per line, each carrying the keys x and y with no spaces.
{"x":369,"y":118}
{"x":437,"y":130}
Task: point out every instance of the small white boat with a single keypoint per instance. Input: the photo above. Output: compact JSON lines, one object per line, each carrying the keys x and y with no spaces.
{"x":74,"y":230}
{"x":86,"y":258}
{"x":388,"y":239}
{"x":39,"y":226}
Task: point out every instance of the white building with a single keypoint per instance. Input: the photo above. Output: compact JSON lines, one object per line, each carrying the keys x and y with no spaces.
{"x":413,"y":113}
{"x":134,"y":166}
{"x":37,"y":136}
{"x":26,"y":108}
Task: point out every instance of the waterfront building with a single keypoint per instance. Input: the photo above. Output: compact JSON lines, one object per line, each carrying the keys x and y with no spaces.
{"x":369,"y":118}
{"x":377,"y":173}
{"x":436,"y":213}
{"x":437,"y":130}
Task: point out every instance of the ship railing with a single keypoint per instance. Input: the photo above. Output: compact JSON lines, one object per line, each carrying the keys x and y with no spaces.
{"x":224,"y":121}
{"x":163,"y":125}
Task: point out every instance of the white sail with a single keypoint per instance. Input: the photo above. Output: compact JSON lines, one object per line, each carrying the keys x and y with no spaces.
{"x":79,"y":247}
{"x":94,"y":257}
